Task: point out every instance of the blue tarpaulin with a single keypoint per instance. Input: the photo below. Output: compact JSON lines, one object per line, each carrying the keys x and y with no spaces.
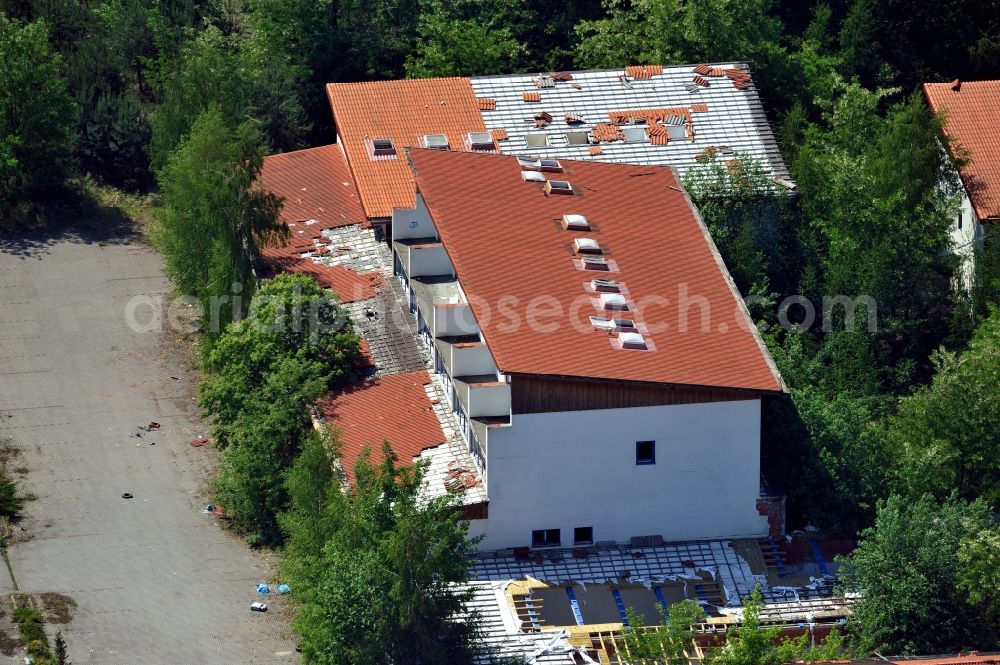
{"x":284,"y":588}
{"x":263,"y":589}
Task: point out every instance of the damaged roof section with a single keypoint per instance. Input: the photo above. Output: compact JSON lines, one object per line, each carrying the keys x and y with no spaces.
{"x":557,"y":115}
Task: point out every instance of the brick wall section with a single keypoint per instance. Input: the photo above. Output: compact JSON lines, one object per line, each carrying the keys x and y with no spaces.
{"x":773,"y":508}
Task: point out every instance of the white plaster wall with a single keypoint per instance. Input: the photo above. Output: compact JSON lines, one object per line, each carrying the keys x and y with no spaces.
{"x":965,"y":240}
{"x":429,"y":261}
{"x":454,"y":320}
{"x":489,"y":401}
{"x":471,"y":360}
{"x":575,"y":469}
{"x":413,"y":222}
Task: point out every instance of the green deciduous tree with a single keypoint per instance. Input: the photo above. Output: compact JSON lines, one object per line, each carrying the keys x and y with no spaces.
{"x":465,"y":38}
{"x":669,"y":641}
{"x":877,"y":223}
{"x":753,"y":644}
{"x":216,"y":70}
{"x":264,"y":373}
{"x":946,"y":436}
{"x":36,"y":115}
{"x":906,"y":569}
{"x":215,"y":213}
{"x":674,"y":31}
{"x":979,"y":573}
{"x":382,"y":586}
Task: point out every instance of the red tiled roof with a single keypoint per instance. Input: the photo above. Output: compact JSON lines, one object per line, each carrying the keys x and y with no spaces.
{"x":402,"y":111}
{"x":346,"y":284}
{"x":393,"y":408}
{"x":316,"y":184}
{"x":596,"y":150}
{"x":499,"y":134}
{"x":644,"y":223}
{"x":971,"y":122}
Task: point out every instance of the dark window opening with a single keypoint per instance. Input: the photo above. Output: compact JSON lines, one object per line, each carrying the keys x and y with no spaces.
{"x":583,"y":535}
{"x":645,"y":452}
{"x":545,"y":538}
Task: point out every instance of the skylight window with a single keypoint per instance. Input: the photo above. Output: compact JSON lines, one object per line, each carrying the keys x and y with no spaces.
{"x":635,"y":134}
{"x":595,"y":263}
{"x":382,"y":148}
{"x":529,"y":163}
{"x":575,"y":222}
{"x":532,"y":176}
{"x":586,"y":246}
{"x":539,"y":140}
{"x":609,"y":324}
{"x":676,"y":132}
{"x":479,"y":141}
{"x":551,"y":165}
{"x":578,"y":138}
{"x":605,"y":285}
{"x":558,"y":187}
{"x":632,"y":340}
{"x":436,"y":141}
{"x":614,"y":302}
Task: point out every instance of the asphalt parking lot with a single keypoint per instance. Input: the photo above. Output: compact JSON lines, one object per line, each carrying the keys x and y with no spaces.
{"x":154,"y":579}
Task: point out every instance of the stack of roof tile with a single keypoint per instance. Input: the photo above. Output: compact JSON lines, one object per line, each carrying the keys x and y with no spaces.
{"x":499,"y":134}
{"x":608,"y":132}
{"x":532,"y":96}
{"x":740,"y":79}
{"x":486,"y":104}
{"x":643,"y":72}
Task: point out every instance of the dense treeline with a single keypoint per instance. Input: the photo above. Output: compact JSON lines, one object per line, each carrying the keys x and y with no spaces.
{"x":891,"y":397}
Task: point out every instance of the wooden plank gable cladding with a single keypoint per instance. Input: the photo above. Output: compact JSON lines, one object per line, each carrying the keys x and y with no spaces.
{"x":547,"y":394}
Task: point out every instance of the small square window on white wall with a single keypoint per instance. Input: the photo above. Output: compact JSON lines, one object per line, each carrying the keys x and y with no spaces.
{"x":645,"y":452}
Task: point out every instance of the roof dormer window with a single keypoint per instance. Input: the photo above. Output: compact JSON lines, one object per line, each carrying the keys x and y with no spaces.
{"x":435,"y":141}
{"x":605,"y":285}
{"x":586,"y":246}
{"x":635,"y":134}
{"x":558,"y":187}
{"x":595,"y":263}
{"x":381,"y":147}
{"x":614,"y":302}
{"x":608,"y":324}
{"x":575,"y":223}
{"x":551,"y":165}
{"x":539,"y":140}
{"x":479,"y":141}
{"x":632,"y":340}
{"x":529,"y":163}
{"x":532,"y":176}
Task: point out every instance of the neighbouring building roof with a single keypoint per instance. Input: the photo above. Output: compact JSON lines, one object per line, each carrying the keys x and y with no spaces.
{"x":511,"y":255}
{"x":971,"y":109}
{"x":395,"y":408}
{"x":707,"y":106}
{"x":316,"y":185}
{"x":402,"y":111}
